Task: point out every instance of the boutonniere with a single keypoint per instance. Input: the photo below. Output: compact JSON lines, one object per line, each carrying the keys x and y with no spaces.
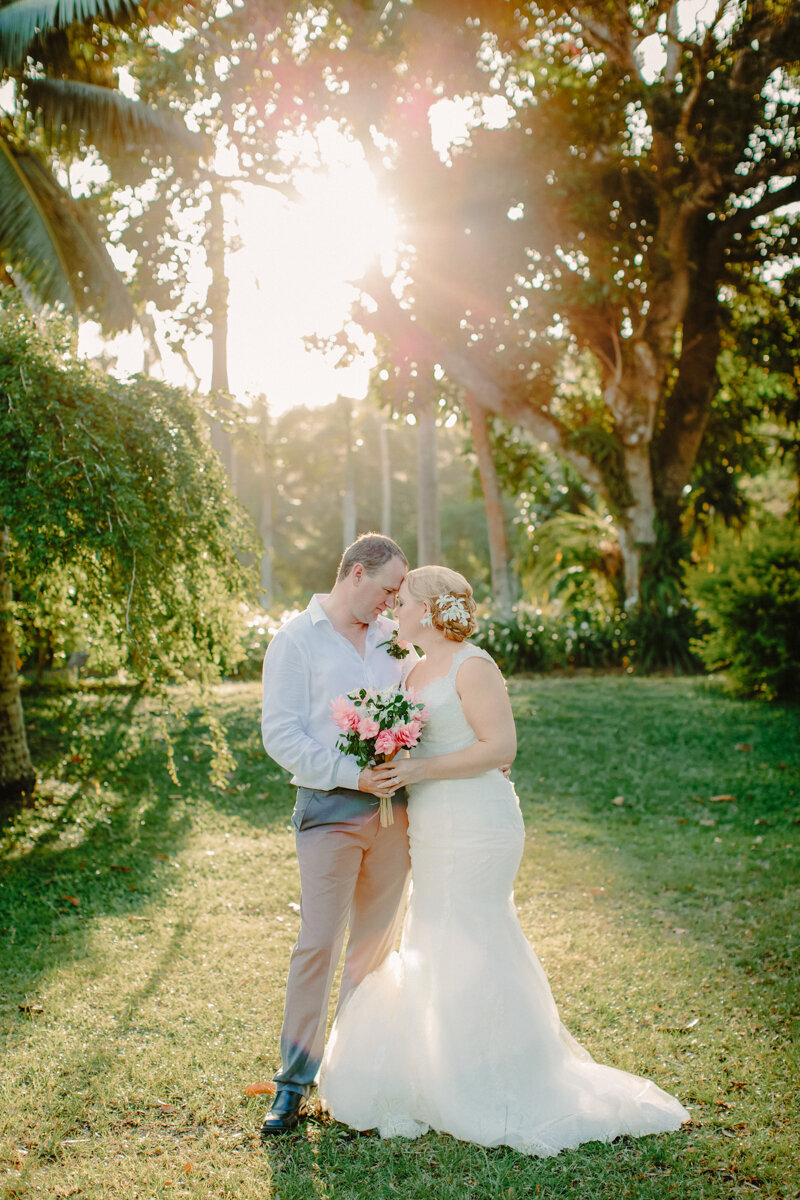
{"x":395,"y":647}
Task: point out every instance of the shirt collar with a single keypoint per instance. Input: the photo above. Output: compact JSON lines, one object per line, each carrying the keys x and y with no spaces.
{"x":381,"y":624}
{"x":315,"y":608}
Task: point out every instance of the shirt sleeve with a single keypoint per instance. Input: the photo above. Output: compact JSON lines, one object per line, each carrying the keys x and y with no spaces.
{"x":284,"y":720}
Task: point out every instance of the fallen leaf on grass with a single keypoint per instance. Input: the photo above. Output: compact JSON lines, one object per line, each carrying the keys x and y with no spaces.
{"x":163,"y":857}
{"x":188,"y":1168}
{"x":73,"y":900}
{"x":115,"y":867}
{"x":721,"y":799}
{"x":164,"y":1107}
{"x":31,"y":1008}
{"x":707,"y":821}
{"x":619,"y":801}
{"x":742,"y":746}
{"x":259,"y":1089}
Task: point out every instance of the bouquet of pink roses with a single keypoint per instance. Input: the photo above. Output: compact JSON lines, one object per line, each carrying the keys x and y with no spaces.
{"x":375,"y":725}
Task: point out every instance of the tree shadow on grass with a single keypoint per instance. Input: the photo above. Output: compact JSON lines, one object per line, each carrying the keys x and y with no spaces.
{"x":107,"y":821}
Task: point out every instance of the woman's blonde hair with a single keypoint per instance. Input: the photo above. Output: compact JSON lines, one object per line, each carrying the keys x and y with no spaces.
{"x":450,"y":599}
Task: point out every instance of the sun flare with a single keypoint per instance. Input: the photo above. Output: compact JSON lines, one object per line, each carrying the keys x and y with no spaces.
{"x":294,"y":274}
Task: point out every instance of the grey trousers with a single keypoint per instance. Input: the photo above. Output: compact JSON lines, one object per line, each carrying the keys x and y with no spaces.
{"x":352,"y":871}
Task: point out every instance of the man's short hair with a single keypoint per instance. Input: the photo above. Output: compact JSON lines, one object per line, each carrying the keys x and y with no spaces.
{"x":372,"y":550}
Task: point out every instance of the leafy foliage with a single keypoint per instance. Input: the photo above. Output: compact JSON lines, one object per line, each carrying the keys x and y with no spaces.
{"x":749,"y":591}
{"x":116,"y":486}
{"x":23,"y":22}
{"x":664,"y":621}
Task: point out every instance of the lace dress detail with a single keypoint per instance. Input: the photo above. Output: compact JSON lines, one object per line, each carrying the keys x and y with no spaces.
{"x":458,"y":1031}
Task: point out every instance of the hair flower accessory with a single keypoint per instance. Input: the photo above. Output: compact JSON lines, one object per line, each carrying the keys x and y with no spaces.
{"x":452,"y":608}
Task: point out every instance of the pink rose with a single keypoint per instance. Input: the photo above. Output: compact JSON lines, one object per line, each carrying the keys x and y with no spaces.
{"x":407,"y":735}
{"x":343,"y":713}
{"x":367,"y":728}
{"x":385,"y":742}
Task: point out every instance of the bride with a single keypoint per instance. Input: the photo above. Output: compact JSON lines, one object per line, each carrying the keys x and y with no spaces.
{"x":458,"y":1031}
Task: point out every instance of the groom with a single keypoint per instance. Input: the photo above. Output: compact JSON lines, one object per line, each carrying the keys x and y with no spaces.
{"x":352,"y":869}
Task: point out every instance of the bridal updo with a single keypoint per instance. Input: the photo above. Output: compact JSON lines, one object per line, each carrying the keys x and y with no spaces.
{"x":450,"y":599}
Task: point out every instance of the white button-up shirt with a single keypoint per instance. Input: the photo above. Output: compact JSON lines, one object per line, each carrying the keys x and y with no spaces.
{"x":307,"y":665}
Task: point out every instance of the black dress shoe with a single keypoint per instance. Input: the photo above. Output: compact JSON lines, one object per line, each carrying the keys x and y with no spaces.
{"x":286,"y":1113}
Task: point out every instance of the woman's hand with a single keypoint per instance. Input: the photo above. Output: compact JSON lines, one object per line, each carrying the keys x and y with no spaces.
{"x":400,"y":772}
{"x":370,"y":781}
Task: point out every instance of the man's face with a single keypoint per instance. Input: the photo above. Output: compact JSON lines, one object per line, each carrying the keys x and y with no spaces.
{"x":374,"y":593}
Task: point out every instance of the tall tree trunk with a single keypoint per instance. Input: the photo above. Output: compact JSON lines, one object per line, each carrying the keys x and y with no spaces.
{"x":217,"y":302}
{"x":17,"y":776}
{"x":677,"y":444}
{"x":428,"y":533}
{"x":386,"y":476}
{"x":349,"y":494}
{"x":502,"y":588}
{"x":265,"y":528}
{"x":218,"y":291}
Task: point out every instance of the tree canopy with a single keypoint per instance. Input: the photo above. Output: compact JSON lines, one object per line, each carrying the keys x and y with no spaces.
{"x":624,"y":172}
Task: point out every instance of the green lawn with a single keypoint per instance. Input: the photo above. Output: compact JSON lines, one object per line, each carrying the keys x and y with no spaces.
{"x":146,"y":928}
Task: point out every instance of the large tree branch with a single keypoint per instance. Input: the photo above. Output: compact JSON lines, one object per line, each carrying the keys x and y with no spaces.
{"x":466,"y":369}
{"x":762,"y":172}
{"x":489,"y":392}
{"x":769,"y":203}
{"x":601,"y":38}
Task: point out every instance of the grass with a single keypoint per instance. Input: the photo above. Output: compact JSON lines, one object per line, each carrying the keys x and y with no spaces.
{"x":146,"y":929}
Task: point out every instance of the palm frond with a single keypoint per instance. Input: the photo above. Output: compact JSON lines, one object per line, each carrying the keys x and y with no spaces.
{"x":52,"y":243}
{"x":566,"y":542}
{"x":23,"y":21}
{"x":69,"y":110}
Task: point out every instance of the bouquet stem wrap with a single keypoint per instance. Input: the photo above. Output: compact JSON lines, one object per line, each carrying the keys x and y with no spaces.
{"x":387,"y":812}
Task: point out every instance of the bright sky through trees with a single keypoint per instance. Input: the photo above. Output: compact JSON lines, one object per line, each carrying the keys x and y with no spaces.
{"x":292,"y":264}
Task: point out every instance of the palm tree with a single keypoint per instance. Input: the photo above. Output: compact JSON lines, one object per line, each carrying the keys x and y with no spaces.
{"x":64,"y":100}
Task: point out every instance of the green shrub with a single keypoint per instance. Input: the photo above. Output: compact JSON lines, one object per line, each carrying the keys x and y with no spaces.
{"x":749,"y":592}
{"x":255,"y":634}
{"x":533,"y":639}
{"x":521,"y":642}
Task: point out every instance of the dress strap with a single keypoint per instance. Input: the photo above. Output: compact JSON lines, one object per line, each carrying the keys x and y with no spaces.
{"x":464,"y":652}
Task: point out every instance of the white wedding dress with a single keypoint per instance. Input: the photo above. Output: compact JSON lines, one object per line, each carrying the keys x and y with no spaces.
{"x":459,"y":1031}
